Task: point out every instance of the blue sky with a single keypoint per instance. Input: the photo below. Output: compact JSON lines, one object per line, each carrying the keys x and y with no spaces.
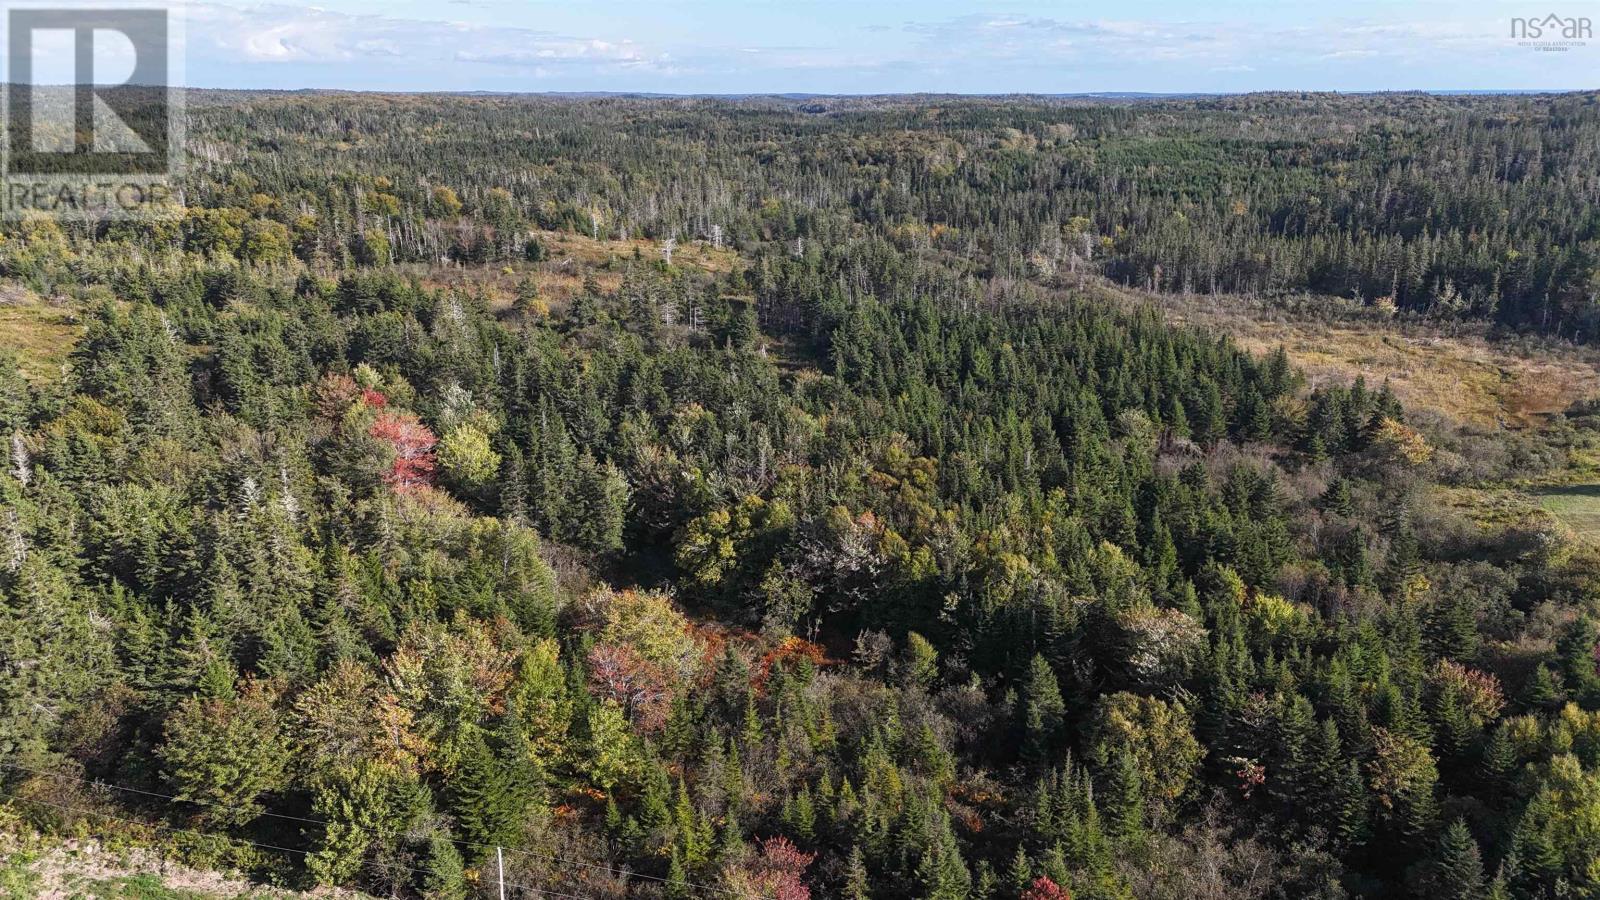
{"x":873,"y":46}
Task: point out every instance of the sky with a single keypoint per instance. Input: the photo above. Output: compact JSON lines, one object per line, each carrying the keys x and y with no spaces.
{"x":884,"y":46}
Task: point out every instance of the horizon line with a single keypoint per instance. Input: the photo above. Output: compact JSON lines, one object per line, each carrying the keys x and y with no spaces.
{"x":690,"y":95}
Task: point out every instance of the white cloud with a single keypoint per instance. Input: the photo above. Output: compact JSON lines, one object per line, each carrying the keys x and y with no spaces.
{"x":280,"y":44}
{"x":275,"y":33}
{"x":1221,"y":45}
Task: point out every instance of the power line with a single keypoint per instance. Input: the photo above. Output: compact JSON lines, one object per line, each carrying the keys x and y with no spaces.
{"x":175,"y":830}
{"x":621,"y":873}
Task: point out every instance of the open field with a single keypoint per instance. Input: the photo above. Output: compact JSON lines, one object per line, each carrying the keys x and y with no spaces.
{"x":1576,"y":505}
{"x":1466,"y":378}
{"x":40,"y":333}
{"x":571,"y":258}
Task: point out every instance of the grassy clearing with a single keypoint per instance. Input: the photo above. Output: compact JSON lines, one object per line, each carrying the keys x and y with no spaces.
{"x":137,"y":887}
{"x":1465,"y":378}
{"x":1576,"y":505}
{"x":17,"y":878}
{"x":40,"y":333}
{"x":31,"y":867}
{"x":571,"y":258}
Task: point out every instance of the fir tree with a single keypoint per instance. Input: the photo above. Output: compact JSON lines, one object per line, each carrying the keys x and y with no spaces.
{"x":1021,"y":874}
{"x":1043,"y":712}
{"x":1336,"y":498}
{"x":1125,"y":799}
{"x":1542,"y":690}
{"x":1497,"y":761}
{"x":487,"y":798}
{"x":857,"y":884}
{"x":1457,"y":870}
{"x":444,"y":876}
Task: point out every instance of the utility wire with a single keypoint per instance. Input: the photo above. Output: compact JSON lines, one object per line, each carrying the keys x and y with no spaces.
{"x":621,"y":873}
{"x":174,"y":830}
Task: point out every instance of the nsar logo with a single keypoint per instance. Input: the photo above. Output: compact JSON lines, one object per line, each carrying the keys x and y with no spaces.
{"x":1553,"y":32}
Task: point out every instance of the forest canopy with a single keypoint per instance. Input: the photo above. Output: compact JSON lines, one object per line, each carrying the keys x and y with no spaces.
{"x":762,"y":499}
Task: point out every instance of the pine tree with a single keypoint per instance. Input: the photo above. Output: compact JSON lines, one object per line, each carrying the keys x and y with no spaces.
{"x":1125,"y":800}
{"x":487,"y":798}
{"x":1293,"y":785}
{"x":1021,"y":874}
{"x":1043,"y":712}
{"x":857,"y":884}
{"x":1497,"y":761}
{"x":1542,"y":691}
{"x":444,"y":875}
{"x":1458,"y":867}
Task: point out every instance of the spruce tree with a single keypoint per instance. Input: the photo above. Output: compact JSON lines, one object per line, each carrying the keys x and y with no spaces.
{"x":1294,"y":786}
{"x":1043,"y":712}
{"x":487,"y":798}
{"x":1350,"y":805}
{"x":857,"y":883}
{"x":677,"y":885}
{"x":1497,"y":761}
{"x":1453,"y":627}
{"x":444,"y":875}
{"x":942,"y":871}
{"x":1457,"y":870}
{"x":1576,"y":653}
{"x":1542,"y":690}
{"x":1336,"y":498}
{"x":1021,"y":874}
{"x":1124,"y":800}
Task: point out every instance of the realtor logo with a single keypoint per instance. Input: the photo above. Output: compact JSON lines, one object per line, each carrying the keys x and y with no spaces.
{"x":1552,"y":33}
{"x":92,"y":111}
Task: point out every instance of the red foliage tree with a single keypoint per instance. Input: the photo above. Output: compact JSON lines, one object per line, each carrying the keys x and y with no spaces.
{"x":335,"y":393}
{"x":1045,"y":889}
{"x":786,"y":654}
{"x":413,"y":445}
{"x":777,"y":872}
{"x":642,"y":688}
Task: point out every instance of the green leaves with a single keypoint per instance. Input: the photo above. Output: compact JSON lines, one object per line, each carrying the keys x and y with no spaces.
{"x":223,"y":754}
